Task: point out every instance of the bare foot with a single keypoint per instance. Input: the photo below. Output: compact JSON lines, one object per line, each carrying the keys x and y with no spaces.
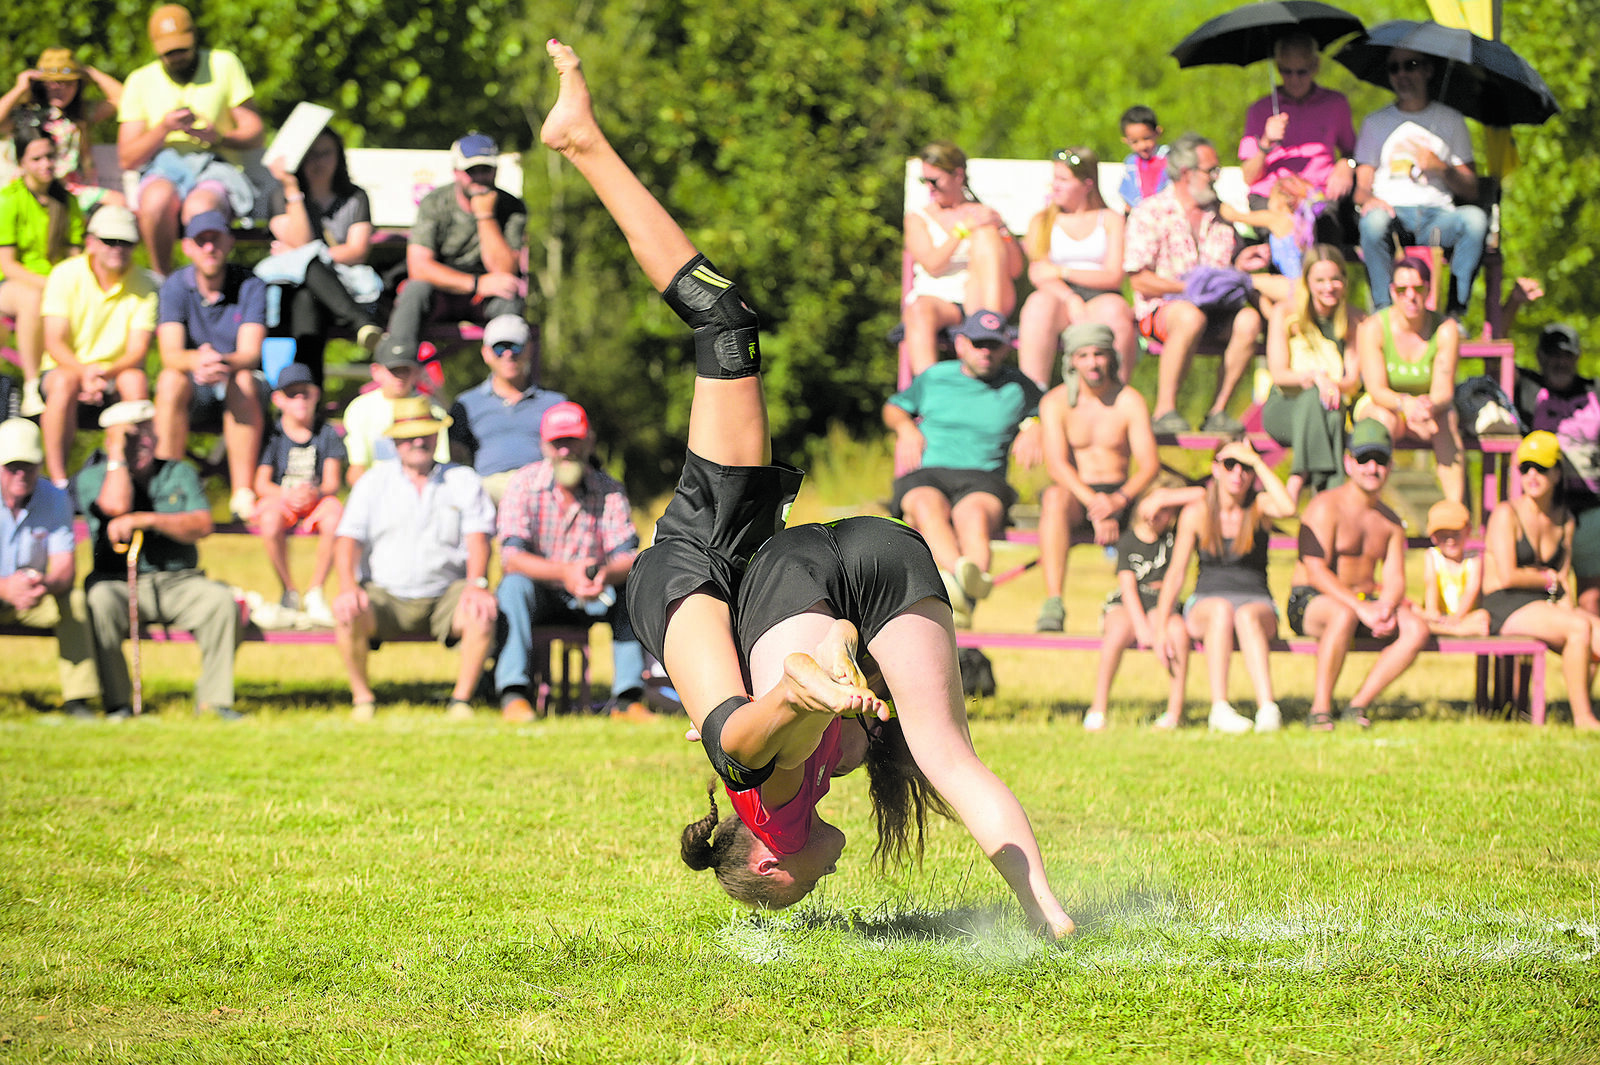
{"x":811,"y":688}
{"x":570,"y":127}
{"x":1586,"y":724}
{"x":837,"y":654}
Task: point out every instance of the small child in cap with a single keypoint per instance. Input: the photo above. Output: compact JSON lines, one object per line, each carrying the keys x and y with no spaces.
{"x":1451,"y":576}
{"x":297,"y":481}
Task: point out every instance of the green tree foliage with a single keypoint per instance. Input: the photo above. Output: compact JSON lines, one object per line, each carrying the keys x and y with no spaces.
{"x":778,"y":134}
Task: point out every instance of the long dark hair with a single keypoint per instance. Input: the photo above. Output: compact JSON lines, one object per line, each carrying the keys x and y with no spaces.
{"x":342,"y":185}
{"x":58,"y":207}
{"x":902,"y":797}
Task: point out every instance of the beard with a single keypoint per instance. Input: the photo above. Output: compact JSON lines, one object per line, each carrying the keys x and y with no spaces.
{"x":1206,"y":196}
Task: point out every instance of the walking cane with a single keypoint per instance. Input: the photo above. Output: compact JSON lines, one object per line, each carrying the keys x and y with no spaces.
{"x":132,"y":549}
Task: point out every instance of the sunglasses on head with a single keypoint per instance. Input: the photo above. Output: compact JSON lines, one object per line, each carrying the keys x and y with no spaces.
{"x":1529,"y":466}
{"x":1062,"y":155}
{"x":1395,"y":66}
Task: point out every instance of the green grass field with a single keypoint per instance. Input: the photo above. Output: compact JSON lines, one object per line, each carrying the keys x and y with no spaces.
{"x":297,"y":888}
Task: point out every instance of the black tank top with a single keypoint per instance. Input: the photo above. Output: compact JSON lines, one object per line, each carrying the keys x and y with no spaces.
{"x":1227,"y":574}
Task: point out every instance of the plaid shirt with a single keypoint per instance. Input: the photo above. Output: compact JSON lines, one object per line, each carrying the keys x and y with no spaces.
{"x":597,"y":526}
{"x":1159,"y":240}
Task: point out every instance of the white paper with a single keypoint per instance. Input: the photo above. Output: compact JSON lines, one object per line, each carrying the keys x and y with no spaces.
{"x":295,"y":137}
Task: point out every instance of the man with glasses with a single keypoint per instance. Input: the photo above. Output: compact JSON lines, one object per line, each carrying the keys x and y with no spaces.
{"x":36,"y":563}
{"x":465,"y":249}
{"x":395,"y":370}
{"x":1415,"y":180}
{"x":494,"y":427}
{"x":1346,"y":535}
{"x":1301,"y":130}
{"x":954,"y":426}
{"x":99,"y":314}
{"x":184,"y":121}
{"x":210,"y":325}
{"x":412,"y":556}
{"x":1169,"y":236}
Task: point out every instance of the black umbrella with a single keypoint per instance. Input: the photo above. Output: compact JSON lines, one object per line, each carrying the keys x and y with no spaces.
{"x":1247,"y":34}
{"x":1483,"y":79}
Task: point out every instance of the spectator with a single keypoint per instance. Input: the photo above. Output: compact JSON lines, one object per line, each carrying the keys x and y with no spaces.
{"x":1315,"y":372}
{"x":1094,"y":427}
{"x":395,"y":370}
{"x":494,"y":426}
{"x":1556,"y":399}
{"x":421,"y":530}
{"x":1228,"y":530}
{"x":1142,"y":556}
{"x":1074,"y":249}
{"x":962,"y":255}
{"x":1145,"y":169}
{"x":321,"y":224}
{"x":297,"y":484}
{"x":1169,"y":235}
{"x":185,"y":119}
{"x":1345,"y":536}
{"x":954,"y":489}
{"x":1527,"y":563}
{"x":1408,"y":356}
{"x":40,"y":225}
{"x":465,"y":254}
{"x":567,"y":545}
{"x":50,"y":96}
{"x":99,"y":317}
{"x":1452,"y":578}
{"x":210,"y":326}
{"x":36,"y":563}
{"x":133,"y":491}
{"x":1301,"y":130}
{"x":1415,"y":179}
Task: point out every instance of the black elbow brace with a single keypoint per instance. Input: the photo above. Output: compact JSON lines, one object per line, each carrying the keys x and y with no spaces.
{"x":738,"y":777}
{"x":725,"y":328}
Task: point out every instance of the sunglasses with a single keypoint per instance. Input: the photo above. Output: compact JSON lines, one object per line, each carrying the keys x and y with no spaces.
{"x":1532,"y":467}
{"x":1362,"y":458}
{"x":505,"y":348}
{"x":1231,"y":465}
{"x":1213,"y":173}
{"x":112,"y":243}
{"x":929,"y":181}
{"x":1396,"y":66}
{"x":1062,"y":155}
{"x":1410,"y":290}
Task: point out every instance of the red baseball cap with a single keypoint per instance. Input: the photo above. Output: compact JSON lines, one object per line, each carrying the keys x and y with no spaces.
{"x":563,"y":421}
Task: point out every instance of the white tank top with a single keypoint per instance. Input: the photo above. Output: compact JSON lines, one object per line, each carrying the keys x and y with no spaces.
{"x":1086,"y":254}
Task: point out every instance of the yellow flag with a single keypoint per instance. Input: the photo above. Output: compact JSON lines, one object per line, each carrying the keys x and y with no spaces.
{"x":1483,"y":18}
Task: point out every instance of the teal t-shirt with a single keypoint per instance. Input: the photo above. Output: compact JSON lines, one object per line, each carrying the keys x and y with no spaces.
{"x":174,"y":489}
{"x":968,"y":424}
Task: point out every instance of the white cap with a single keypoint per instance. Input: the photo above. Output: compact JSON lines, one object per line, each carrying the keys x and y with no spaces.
{"x":128,"y":412}
{"x":20,"y":442}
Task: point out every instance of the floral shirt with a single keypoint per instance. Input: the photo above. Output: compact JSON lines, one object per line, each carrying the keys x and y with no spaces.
{"x":1159,"y":239}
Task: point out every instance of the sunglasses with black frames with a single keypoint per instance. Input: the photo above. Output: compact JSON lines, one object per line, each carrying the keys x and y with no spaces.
{"x":1395,"y":66}
{"x":1530,"y":466}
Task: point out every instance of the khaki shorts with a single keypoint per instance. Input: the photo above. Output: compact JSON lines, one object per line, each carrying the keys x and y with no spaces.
{"x":394,"y":617}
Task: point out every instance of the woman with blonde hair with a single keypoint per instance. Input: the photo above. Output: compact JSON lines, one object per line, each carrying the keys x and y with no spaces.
{"x":1315,"y":372}
{"x":1074,"y":249}
{"x":963,"y":257}
{"x":1228,"y":531}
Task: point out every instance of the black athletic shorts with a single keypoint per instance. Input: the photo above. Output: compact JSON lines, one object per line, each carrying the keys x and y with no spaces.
{"x":718,"y":517}
{"x":956,"y":486}
{"x":867,"y":570}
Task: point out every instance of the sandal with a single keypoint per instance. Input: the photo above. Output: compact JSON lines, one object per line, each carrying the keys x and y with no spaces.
{"x":1355,"y":715}
{"x":1320,"y":721}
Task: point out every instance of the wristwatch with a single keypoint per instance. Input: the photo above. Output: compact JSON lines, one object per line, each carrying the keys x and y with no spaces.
{"x":481,"y":582}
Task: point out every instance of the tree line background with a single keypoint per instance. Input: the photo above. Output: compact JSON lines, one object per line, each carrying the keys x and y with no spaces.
{"x":777,"y":133}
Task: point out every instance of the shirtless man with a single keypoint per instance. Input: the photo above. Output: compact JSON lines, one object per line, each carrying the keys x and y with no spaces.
{"x":1093,"y":427}
{"x":1338,"y":599}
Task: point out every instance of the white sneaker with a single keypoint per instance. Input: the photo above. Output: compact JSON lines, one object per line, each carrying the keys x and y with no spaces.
{"x":960,"y":603}
{"x":1225,"y":718}
{"x":32,"y":402}
{"x":1094,"y":721}
{"x":1269,"y":718}
{"x":974,"y":581}
{"x":242,"y":504}
{"x":316,"y":609}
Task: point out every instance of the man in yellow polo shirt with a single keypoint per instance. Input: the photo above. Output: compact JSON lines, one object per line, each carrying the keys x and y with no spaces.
{"x":99,"y":317}
{"x":185,"y":120}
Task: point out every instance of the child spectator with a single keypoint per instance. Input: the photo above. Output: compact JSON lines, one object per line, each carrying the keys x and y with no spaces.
{"x":1451,"y":577}
{"x":1146,"y":164}
{"x":1142,"y":556}
{"x":296,"y":483}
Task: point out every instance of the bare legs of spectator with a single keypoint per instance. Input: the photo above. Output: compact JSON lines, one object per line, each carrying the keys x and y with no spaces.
{"x":1449,"y":466}
{"x":1237,"y":356}
{"x":1215,"y":621}
{"x":1045,"y":315}
{"x":158,"y":222}
{"x":1334,"y":626}
{"x":989,"y":284}
{"x":924,"y":317}
{"x":21,"y":301}
{"x":1575,"y":635}
{"x":1185,"y":323}
{"x":242,"y":421}
{"x":962,"y":531}
{"x":1059,"y":513}
{"x":59,"y":422}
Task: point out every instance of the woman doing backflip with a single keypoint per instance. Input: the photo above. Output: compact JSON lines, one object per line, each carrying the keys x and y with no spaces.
{"x":729,"y":502}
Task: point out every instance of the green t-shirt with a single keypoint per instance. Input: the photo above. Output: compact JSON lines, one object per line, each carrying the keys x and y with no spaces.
{"x":174,"y":489}
{"x":968,"y":424}
{"x":25,"y":225}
